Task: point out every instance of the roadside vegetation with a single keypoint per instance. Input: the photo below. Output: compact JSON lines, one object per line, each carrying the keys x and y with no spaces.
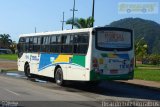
{"x":12,"y":57}
{"x":147,"y":74}
{"x":7,"y":43}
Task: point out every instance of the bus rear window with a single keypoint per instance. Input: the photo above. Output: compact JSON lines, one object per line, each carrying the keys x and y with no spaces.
{"x":118,"y":40}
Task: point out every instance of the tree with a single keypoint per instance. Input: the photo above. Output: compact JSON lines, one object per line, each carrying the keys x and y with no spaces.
{"x":13,"y":46}
{"x":5,"y":40}
{"x":81,"y":22}
{"x":141,"y":48}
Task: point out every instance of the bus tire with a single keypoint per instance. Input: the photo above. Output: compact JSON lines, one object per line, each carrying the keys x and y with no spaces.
{"x":27,"y":71}
{"x":59,"y":77}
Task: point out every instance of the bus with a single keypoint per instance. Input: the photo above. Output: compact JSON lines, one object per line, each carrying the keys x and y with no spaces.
{"x":90,"y":54}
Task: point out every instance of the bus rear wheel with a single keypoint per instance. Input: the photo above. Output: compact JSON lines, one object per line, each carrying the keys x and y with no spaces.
{"x":27,"y":71}
{"x":59,"y":77}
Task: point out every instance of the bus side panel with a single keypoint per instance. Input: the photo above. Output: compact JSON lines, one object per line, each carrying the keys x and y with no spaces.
{"x":48,"y":72}
{"x":34,"y":62}
{"x":22,"y":60}
{"x":76,"y":69}
{"x":45,"y":66}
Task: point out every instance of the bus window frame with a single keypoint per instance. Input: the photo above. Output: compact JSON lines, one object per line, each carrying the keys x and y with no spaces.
{"x":58,"y":42}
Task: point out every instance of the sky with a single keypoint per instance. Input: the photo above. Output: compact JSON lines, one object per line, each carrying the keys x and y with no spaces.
{"x":22,"y":16}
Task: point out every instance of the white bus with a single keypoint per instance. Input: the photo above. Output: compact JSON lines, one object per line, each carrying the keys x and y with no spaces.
{"x":91,"y":54}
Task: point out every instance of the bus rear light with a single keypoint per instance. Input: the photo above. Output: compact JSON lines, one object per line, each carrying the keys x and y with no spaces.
{"x":95,"y":60}
{"x":131,"y":65}
{"x":95,"y":65}
{"x":132,"y":61}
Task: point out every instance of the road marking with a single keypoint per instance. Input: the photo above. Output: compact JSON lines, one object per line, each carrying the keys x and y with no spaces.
{"x":12,"y":92}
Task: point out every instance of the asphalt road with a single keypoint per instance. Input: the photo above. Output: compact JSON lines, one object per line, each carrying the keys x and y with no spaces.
{"x":16,"y":87}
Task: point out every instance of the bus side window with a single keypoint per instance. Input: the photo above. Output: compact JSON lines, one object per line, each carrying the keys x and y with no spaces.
{"x":35,"y":48}
{"x":26,"y":45}
{"x":81,"y":43}
{"x":42,"y":44}
{"x":67,"y":46}
{"x":75,"y":39}
{"x":55,"y":44}
{"x":30,"y":44}
{"x":45,"y":47}
{"x":21,"y":44}
{"x":22,"y":40}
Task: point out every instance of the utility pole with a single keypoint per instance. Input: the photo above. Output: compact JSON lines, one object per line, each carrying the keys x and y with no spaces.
{"x":35,"y":29}
{"x":63,"y":21}
{"x":73,"y":13}
{"x":93,"y":12}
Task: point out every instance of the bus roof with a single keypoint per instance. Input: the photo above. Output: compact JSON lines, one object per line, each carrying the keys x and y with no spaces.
{"x":57,"y":32}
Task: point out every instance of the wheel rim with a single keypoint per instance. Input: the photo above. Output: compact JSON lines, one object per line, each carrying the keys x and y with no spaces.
{"x":58,"y":77}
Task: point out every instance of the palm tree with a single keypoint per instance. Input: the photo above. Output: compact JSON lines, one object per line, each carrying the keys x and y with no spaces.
{"x":140,"y":49}
{"x":81,"y":22}
{"x":5,"y":40}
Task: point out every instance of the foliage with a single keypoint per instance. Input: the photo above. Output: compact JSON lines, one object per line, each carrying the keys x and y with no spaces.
{"x":81,"y":22}
{"x":5,"y":40}
{"x":154,"y":59}
{"x":149,"y":30}
{"x":13,"y":47}
{"x":141,"y":48}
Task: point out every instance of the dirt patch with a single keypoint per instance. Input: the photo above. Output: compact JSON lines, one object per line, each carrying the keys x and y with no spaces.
{"x":8,"y":65}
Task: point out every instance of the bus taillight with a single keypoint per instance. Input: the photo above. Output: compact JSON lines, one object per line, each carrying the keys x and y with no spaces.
{"x":95,"y":63}
{"x":131,"y":65}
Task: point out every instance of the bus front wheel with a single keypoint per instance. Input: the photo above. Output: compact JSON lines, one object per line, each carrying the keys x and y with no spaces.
{"x":27,"y":71}
{"x":59,"y":77}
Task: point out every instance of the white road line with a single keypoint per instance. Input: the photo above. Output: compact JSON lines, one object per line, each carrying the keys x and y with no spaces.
{"x":12,"y":92}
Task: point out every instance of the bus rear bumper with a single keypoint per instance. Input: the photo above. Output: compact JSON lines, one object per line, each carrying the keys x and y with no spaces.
{"x":95,"y":76}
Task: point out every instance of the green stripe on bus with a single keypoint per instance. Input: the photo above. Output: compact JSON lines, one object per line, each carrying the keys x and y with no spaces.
{"x":79,"y":59}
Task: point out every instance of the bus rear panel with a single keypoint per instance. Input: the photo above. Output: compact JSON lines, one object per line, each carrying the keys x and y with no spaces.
{"x":113,"y":55}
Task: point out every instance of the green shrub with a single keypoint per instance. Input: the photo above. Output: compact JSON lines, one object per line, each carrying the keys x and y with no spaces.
{"x":154,"y":59}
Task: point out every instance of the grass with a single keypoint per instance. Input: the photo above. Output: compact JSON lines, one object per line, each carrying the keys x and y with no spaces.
{"x":147,"y":65}
{"x":147,"y":74}
{"x":12,"y":57}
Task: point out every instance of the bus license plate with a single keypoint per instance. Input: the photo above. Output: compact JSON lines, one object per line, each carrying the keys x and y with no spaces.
{"x":113,"y":71}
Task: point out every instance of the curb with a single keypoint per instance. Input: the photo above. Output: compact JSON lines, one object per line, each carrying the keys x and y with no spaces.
{"x":7,"y":70}
{"x":141,"y":86}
